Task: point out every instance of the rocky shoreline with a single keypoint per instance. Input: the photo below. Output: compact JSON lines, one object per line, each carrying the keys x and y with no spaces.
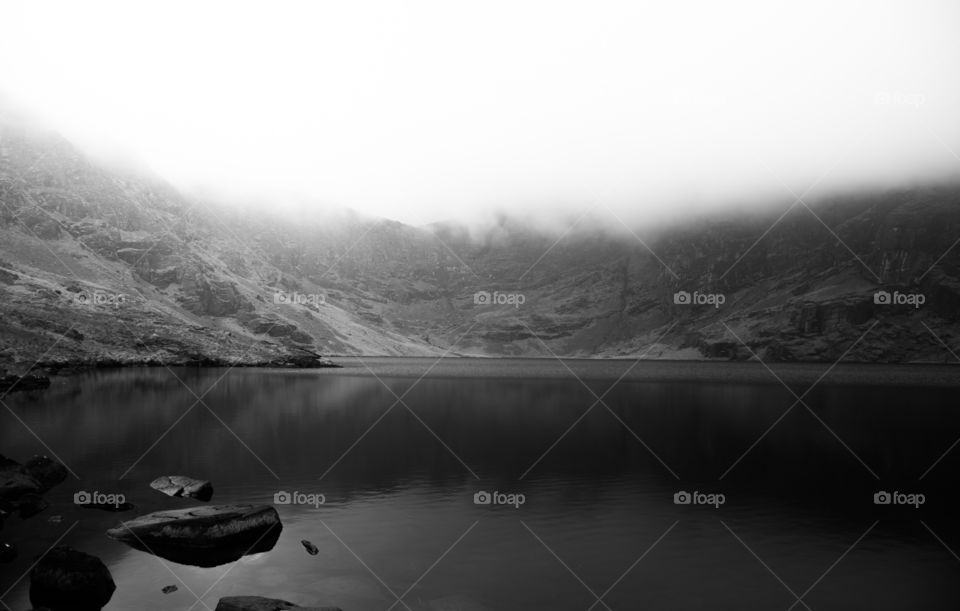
{"x":68,"y":579}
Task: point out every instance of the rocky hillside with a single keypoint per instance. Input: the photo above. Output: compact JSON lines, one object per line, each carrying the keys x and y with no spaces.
{"x":105,"y":266}
{"x":98,"y":266}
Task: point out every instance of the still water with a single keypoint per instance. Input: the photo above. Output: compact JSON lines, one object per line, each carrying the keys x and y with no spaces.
{"x":588,"y":519}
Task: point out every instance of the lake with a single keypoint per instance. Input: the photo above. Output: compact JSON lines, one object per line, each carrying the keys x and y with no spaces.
{"x":588,"y":511}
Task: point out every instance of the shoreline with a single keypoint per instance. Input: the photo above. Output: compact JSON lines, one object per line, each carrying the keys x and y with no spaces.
{"x":721,"y":372}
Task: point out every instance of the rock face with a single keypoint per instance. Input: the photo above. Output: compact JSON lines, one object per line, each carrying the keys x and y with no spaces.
{"x":181,"y":485}
{"x":258,"y":603}
{"x":203,"y":295}
{"x":69,"y":580}
{"x":203,"y":536}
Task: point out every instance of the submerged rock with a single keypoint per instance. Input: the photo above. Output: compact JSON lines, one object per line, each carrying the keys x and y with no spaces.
{"x":30,"y":505}
{"x":21,"y":485}
{"x":15,"y":481}
{"x":181,"y":485}
{"x":46,"y":471}
{"x":69,"y":580}
{"x":169,"y":589}
{"x":259,"y":603}
{"x":111,"y":507}
{"x":203,"y":536}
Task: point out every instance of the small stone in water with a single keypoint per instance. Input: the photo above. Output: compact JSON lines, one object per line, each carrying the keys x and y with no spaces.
{"x":8,"y":552}
{"x":310,"y":547}
{"x":169,"y":589}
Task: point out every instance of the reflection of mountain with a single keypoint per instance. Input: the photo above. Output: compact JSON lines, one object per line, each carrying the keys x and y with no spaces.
{"x":200,"y":282}
{"x":302,"y":426}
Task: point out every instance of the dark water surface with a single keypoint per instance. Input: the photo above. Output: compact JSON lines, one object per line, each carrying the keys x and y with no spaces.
{"x":598,"y":479}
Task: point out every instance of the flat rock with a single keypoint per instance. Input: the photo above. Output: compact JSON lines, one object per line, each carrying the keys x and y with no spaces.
{"x":259,"y":603}
{"x":69,"y":580}
{"x":181,"y":485}
{"x":203,"y":536}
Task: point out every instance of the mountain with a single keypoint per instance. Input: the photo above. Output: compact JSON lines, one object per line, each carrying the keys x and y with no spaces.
{"x":107,"y":266}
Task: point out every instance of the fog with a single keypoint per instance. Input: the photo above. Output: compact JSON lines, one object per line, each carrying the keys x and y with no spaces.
{"x":426,"y":111}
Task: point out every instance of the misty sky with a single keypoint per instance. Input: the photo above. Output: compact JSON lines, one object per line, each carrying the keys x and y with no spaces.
{"x":421,"y":111}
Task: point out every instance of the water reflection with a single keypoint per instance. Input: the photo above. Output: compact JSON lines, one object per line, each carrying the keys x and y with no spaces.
{"x":399,"y":489}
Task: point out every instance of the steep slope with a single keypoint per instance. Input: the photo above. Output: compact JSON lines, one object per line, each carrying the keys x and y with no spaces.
{"x":101,"y":266}
{"x":105,"y":266}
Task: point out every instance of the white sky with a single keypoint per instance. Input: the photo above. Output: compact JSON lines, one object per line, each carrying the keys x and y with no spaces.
{"x":421,"y":111}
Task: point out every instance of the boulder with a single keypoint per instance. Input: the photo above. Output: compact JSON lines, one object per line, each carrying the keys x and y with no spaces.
{"x":259,"y":603}
{"x":312,"y":549}
{"x":46,"y":470}
{"x":181,"y":485}
{"x":203,"y":536}
{"x":66,"y":579}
